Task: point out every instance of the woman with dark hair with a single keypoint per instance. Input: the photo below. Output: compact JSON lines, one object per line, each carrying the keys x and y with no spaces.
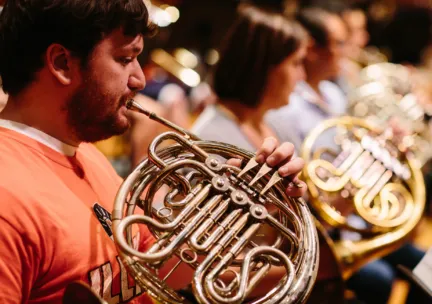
{"x":260,"y":63}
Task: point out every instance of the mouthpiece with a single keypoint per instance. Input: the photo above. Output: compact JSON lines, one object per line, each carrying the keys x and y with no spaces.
{"x":132,"y":105}
{"x":136,"y":107}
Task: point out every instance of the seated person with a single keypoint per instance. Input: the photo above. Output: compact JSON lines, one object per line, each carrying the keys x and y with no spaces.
{"x":317,"y":99}
{"x":250,"y":79}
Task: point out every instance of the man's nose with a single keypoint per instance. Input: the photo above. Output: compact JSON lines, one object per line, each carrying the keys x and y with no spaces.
{"x":137,"y":79}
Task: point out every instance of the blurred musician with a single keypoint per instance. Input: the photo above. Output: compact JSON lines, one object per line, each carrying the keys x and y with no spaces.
{"x":356,"y":21}
{"x":69,"y":67}
{"x":259,"y":65}
{"x":318,"y":99}
{"x":358,"y":38}
{"x":358,"y":53}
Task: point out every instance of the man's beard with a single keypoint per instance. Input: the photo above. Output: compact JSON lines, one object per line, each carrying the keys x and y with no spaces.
{"x":94,"y":115}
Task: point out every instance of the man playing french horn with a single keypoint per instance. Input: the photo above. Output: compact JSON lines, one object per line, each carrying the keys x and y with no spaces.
{"x":69,"y":67}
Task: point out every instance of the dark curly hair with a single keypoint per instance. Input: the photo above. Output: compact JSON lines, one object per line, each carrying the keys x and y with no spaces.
{"x":29,"y":27}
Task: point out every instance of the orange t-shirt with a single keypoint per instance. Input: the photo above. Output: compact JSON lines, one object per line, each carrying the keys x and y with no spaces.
{"x":52,"y":210}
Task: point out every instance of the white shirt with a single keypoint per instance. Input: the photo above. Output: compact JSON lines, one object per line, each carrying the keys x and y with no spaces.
{"x":39,"y":136}
{"x":304,"y":112}
{"x":214,"y":124}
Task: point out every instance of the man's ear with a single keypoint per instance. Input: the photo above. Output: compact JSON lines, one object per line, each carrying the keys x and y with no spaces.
{"x":60,"y":62}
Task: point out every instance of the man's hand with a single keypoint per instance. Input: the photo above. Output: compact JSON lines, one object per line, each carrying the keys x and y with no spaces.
{"x":282,"y":157}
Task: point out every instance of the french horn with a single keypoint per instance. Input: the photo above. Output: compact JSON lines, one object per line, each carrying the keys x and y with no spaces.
{"x":230,"y":226}
{"x":360,"y":183}
{"x":396,"y":77}
{"x":388,"y":91}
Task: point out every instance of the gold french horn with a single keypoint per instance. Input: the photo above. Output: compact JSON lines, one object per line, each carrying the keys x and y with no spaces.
{"x":389,"y":91}
{"x":216,"y":220}
{"x":359,"y":181}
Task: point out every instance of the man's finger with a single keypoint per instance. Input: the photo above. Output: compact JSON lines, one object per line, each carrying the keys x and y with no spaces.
{"x":293,"y":167}
{"x":282,"y":154}
{"x":234,"y":162}
{"x":267,"y":148}
{"x":294,"y":191}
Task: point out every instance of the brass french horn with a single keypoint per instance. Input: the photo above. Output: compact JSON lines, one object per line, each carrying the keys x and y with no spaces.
{"x":396,"y":77}
{"x":386,"y":92}
{"x":359,"y":181}
{"x":215,"y":219}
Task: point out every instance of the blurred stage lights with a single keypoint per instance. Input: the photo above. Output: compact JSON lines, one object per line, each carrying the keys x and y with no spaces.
{"x":164,"y":15}
{"x":187,"y":58}
{"x":173,"y":12}
{"x":170,"y":64}
{"x":212,"y":57}
{"x":190,"y":77}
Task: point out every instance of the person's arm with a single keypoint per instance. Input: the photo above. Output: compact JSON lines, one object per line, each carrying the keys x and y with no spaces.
{"x":20,"y":258}
{"x":18,"y":264}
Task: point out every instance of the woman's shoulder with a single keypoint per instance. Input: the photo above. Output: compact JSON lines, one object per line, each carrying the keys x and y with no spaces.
{"x":331,"y":88}
{"x":285,"y":115}
{"x":212,"y":118}
{"x":214,"y":125}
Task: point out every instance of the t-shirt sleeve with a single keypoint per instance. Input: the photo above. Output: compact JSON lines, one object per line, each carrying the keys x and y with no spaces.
{"x":18,"y":264}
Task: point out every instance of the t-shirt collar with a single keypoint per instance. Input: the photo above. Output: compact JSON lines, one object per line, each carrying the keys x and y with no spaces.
{"x":39,"y":136}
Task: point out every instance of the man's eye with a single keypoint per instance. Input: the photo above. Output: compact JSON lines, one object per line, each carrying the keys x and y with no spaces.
{"x":126,"y":60}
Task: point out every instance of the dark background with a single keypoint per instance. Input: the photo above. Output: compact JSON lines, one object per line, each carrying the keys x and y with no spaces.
{"x":401,"y":28}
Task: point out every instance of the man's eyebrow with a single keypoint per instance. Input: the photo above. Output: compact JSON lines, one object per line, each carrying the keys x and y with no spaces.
{"x":134,"y":49}
{"x":137,"y":49}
